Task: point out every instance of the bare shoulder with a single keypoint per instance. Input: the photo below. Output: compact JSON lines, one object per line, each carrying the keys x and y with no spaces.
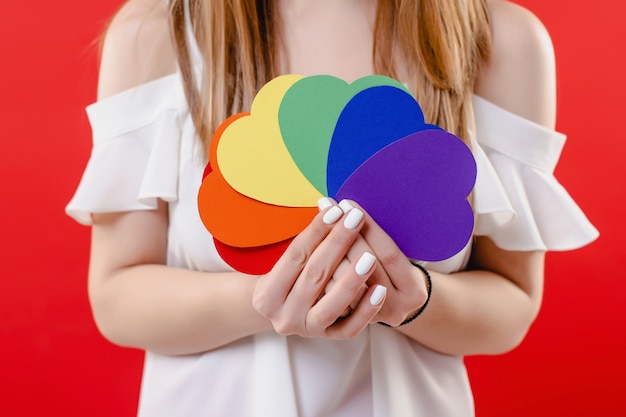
{"x":137,"y":47}
{"x":520,"y":75}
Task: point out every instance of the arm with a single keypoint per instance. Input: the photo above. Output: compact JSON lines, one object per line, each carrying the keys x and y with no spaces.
{"x":489,"y":308}
{"x":136,"y":300}
{"x":139,"y":301}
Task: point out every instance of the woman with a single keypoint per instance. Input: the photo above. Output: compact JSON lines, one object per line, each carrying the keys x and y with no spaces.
{"x":221,"y":343}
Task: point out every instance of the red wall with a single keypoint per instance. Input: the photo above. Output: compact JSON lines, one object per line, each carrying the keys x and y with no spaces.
{"x":572,"y":363}
{"x":52,"y":360}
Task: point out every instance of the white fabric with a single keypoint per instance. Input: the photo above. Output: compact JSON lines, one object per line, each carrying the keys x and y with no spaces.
{"x":520,"y":204}
{"x":145,"y":149}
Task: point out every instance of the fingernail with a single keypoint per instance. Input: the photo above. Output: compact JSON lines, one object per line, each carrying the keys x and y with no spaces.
{"x":365,"y":263}
{"x":323,"y":203}
{"x":345,"y":205}
{"x":353,"y":219}
{"x":332,"y":215}
{"x":377,"y":295}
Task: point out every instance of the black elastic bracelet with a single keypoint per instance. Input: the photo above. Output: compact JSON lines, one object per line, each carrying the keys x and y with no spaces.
{"x":423,"y":307}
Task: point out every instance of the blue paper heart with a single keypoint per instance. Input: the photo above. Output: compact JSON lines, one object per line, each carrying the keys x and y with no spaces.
{"x":372,"y":119}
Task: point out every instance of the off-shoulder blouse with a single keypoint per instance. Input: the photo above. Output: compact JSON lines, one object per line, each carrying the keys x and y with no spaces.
{"x":145,"y":149}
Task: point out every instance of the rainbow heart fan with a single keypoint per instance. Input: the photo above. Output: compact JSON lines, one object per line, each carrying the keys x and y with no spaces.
{"x":309,"y":137}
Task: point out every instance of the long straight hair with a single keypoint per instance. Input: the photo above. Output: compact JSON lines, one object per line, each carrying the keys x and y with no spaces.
{"x":441,"y":43}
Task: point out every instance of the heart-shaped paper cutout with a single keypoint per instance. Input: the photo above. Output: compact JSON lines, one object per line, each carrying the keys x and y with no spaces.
{"x":268,"y":170}
{"x":371,"y":120}
{"x":254,"y":159}
{"x":240,"y":221}
{"x":256,"y":260}
{"x":308,"y":114}
{"x":422,"y":200}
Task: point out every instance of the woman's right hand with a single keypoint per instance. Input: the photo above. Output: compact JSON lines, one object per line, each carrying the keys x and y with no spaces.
{"x":294,"y":296}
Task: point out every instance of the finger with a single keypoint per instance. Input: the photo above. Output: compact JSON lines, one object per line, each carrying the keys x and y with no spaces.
{"x":360,"y":245}
{"x":274,"y":287}
{"x":343,"y":266}
{"x":406,"y":284}
{"x":325,"y":259}
{"x":341,"y":269}
{"x":331,"y":306}
{"x":392,"y":260}
{"x":366,"y":310}
{"x":379,"y":276}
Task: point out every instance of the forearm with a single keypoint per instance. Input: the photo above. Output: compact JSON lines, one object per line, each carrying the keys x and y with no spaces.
{"x":175,"y":311}
{"x":485,"y":310}
{"x":473,"y":312}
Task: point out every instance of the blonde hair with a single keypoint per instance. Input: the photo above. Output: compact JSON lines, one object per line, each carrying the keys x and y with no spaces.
{"x":442,"y":43}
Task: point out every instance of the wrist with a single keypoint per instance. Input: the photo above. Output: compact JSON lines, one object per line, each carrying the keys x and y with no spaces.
{"x":416,"y":313}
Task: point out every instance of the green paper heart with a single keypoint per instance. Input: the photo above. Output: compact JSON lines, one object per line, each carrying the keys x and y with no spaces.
{"x":308,"y":114}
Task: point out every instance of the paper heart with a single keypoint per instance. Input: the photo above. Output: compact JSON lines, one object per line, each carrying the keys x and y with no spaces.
{"x":241,"y":221}
{"x":254,"y":159}
{"x":308,"y":115}
{"x":256,"y":261}
{"x":371,"y":120}
{"x":416,"y":189}
{"x":314,"y":136}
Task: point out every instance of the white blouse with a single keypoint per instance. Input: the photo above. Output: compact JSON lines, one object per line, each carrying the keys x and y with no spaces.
{"x":145,"y":148}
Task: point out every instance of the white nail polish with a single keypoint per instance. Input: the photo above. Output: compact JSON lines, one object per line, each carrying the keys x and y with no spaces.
{"x":377,"y":295}
{"x":345,"y":205}
{"x":323,"y":203}
{"x":365,"y":263}
{"x":332,"y":215}
{"x":353,"y":219}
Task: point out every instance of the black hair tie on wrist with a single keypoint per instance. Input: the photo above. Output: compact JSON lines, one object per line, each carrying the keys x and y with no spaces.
{"x":423,"y":307}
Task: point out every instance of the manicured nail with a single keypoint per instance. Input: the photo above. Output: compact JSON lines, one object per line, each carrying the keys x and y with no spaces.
{"x":377,"y":295}
{"x":323,"y":203}
{"x":353,"y":219}
{"x":332,"y":215}
{"x":345,"y":205}
{"x":365,"y":263}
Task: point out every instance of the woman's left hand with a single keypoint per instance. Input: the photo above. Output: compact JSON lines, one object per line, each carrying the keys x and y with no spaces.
{"x":406,"y":285}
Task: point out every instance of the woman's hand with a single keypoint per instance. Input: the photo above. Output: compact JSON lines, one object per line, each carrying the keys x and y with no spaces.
{"x":406,"y":285}
{"x":294,"y":295}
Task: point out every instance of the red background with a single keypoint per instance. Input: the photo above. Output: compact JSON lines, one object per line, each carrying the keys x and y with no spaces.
{"x":53,"y":361}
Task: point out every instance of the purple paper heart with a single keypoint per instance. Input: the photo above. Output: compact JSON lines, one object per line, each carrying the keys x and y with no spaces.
{"x":416,"y":189}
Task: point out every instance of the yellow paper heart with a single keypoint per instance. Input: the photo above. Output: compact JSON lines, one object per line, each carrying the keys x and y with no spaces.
{"x":254,"y":159}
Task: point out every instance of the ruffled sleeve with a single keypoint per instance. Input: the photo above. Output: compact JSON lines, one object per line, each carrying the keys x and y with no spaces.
{"x":135,"y":154}
{"x":518,"y":202}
